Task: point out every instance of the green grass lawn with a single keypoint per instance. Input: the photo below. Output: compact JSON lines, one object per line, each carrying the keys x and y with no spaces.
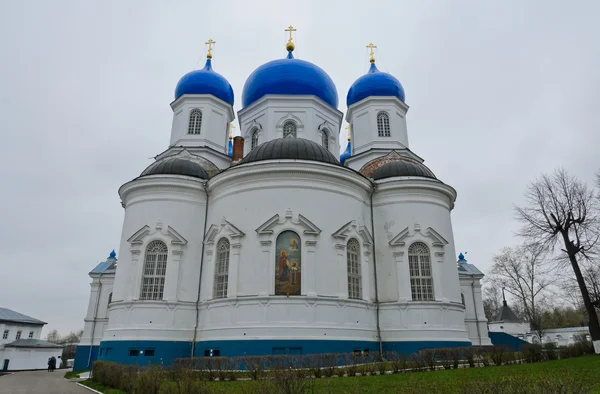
{"x":542,"y":377}
{"x":73,"y":374}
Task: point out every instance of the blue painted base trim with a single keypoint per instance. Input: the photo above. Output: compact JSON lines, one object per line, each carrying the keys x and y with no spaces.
{"x":82,"y":355}
{"x":164,"y":352}
{"x":144,"y":352}
{"x":411,"y":347}
{"x":504,"y":339}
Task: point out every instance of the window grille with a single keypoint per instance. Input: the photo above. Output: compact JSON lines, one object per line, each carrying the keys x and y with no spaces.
{"x":254,"y":143}
{"x":354,"y":271}
{"x":18,"y":335}
{"x":195,"y":121}
{"x":222,"y":269}
{"x":30,"y":334}
{"x":5,"y":335}
{"x":289,"y":129}
{"x":383,"y":124}
{"x":421,"y":279}
{"x":325,"y":139}
{"x":155,"y":269}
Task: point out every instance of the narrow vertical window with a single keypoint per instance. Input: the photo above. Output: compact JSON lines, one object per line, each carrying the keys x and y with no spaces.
{"x":5,"y":335}
{"x":155,"y":269}
{"x":354,"y":270}
{"x":289,"y":129}
{"x":222,"y":269}
{"x":30,"y":334}
{"x":383,"y":124}
{"x":109,"y":299}
{"x":325,"y":138}
{"x":254,"y":135}
{"x":195,"y":121}
{"x":462,"y":299}
{"x":421,"y":279}
{"x":18,"y":335}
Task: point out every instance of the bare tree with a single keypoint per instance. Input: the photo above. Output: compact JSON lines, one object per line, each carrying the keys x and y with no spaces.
{"x":492,"y":302}
{"x":561,"y":210}
{"x":521,"y":272}
{"x":53,"y":336}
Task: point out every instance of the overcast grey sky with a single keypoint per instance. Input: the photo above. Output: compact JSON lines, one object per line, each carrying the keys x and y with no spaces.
{"x":499,"y":92}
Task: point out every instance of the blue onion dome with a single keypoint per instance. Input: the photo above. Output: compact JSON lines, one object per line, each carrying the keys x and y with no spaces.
{"x":374,"y":83}
{"x":205,"y":81}
{"x":289,"y":76}
{"x":290,"y":149}
{"x":402,"y":167}
{"x":175,"y":166}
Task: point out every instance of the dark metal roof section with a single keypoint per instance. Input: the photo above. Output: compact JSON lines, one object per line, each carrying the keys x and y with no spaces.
{"x":290,"y":149}
{"x":507,"y":315}
{"x":402,"y":168}
{"x":175,"y":166}
{"x":10,"y":316}
{"x":35,"y":343}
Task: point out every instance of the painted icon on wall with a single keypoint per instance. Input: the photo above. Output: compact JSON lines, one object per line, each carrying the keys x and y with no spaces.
{"x":288,"y":267}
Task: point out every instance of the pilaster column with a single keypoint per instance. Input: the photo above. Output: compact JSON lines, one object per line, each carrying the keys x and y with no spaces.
{"x":366,"y":277}
{"x":402,"y":277}
{"x":172,"y":276}
{"x":309,"y":277}
{"x":342,"y":277}
{"x":267,"y":285}
{"x":437,"y":267}
{"x":135,"y":275}
{"x":234,"y":266}
{"x":206,"y":288}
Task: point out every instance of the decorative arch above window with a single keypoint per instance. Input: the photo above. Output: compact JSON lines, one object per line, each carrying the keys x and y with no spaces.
{"x":155,"y":269}
{"x":354,"y":269}
{"x":383,"y":124}
{"x":289,"y":129}
{"x":325,"y":138}
{"x":221,"y":269}
{"x":195,"y":121}
{"x":254,"y":138}
{"x":421,"y":277}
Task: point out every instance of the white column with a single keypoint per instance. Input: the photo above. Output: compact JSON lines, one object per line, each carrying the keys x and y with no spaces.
{"x":135,"y":275}
{"x":234,"y":266}
{"x":172,"y":276}
{"x":268,"y":275}
{"x":342,"y":277}
{"x":437,"y":266}
{"x":309,"y":270}
{"x":402,"y":277}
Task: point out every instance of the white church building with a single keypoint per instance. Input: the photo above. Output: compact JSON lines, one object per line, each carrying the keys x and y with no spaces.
{"x":273,"y":243}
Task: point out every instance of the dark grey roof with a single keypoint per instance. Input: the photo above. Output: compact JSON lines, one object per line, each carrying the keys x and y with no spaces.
{"x":468,"y":269}
{"x":33,"y":343}
{"x":175,"y":166}
{"x":103,"y":267}
{"x":507,"y":315}
{"x":402,"y":168}
{"x":8,"y":315}
{"x":290,"y":148}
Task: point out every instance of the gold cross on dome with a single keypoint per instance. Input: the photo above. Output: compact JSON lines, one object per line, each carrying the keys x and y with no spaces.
{"x":210,"y":43}
{"x":231,"y":127}
{"x":372,"y":54}
{"x":290,"y":29}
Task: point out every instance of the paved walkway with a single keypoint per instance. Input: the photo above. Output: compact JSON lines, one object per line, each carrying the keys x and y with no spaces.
{"x":39,"y":382}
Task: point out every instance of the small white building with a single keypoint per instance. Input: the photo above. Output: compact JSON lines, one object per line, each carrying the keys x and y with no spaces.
{"x":470,"y":293}
{"x":20,"y":345}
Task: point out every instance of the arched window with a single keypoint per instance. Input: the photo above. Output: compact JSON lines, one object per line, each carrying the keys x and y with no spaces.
{"x":18,"y":335}
{"x":421,"y":279}
{"x":354,"y":271}
{"x":383,"y":124}
{"x":195,"y":121}
{"x":221,"y":269}
{"x":254,"y":135}
{"x":288,"y":264}
{"x":155,"y":269}
{"x":289,"y":129}
{"x":325,"y":138}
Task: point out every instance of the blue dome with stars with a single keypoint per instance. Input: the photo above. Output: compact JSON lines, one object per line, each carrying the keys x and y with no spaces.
{"x":289,"y":76}
{"x":205,"y":81}
{"x":374,"y":83}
